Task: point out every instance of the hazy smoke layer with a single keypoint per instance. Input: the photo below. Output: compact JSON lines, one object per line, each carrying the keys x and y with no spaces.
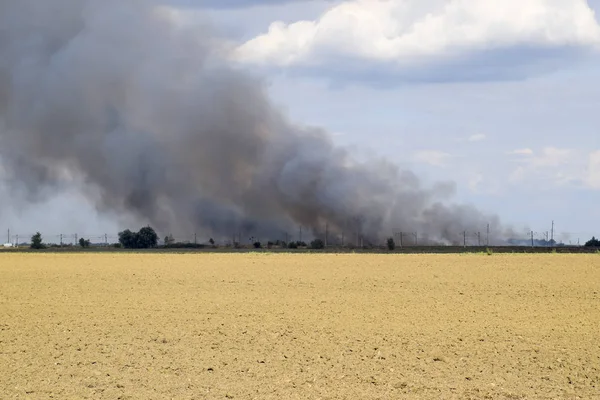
{"x":144,"y":109}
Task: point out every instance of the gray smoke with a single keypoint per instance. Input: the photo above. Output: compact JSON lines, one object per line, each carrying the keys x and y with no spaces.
{"x":146,"y":111}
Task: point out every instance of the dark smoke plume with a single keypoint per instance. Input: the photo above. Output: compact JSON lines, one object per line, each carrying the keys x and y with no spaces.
{"x":146,"y":111}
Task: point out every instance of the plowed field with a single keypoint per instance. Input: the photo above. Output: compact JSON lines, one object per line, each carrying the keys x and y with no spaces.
{"x":260,"y":326}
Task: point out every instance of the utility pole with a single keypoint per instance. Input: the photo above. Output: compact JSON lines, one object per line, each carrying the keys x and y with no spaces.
{"x":17,"y":242}
{"x":401,"y":237}
{"x":106,"y":239}
{"x":465,"y":238}
{"x":532,"y":239}
{"x":552,"y":235}
{"x":300,"y":235}
{"x":195,"y":239}
{"x":75,"y":238}
{"x":61,"y":240}
{"x":479,"y":239}
{"x":487,"y":238}
{"x":326,"y":233}
{"x":8,"y":241}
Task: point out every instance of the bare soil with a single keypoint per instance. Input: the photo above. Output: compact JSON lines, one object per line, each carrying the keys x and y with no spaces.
{"x":264,"y":326}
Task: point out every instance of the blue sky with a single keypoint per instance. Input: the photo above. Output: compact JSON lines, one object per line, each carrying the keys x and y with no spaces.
{"x":500,"y":97}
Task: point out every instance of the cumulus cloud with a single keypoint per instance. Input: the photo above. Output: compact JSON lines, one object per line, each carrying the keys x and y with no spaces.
{"x":237,"y":3}
{"x":592,"y":179}
{"x":556,"y":165}
{"x":434,"y":158}
{"x":522,"y":152}
{"x":407,"y":34}
{"x":551,"y":157}
{"x":477,"y":137}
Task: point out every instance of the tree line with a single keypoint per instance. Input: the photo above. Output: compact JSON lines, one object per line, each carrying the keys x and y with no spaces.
{"x":593,"y":242}
{"x":147,"y":238}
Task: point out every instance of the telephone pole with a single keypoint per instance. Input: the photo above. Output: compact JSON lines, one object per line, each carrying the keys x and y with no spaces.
{"x":465,"y":239}
{"x":326,"y":233}
{"x":552,"y":235}
{"x":487,"y":238}
{"x":532,"y":239}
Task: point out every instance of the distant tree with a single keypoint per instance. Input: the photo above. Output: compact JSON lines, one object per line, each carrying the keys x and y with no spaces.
{"x":128,"y":239}
{"x":212,"y":242}
{"x":293,"y":245}
{"x":144,"y":239}
{"x":391,"y":245}
{"x":169,"y":240}
{"x":147,"y":238}
{"x":84,"y":243}
{"x":257,"y":245}
{"x":593,"y":242}
{"x":317,"y":244}
{"x":36,"y":242}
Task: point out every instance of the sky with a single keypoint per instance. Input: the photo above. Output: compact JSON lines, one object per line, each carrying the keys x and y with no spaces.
{"x":499,"y":97}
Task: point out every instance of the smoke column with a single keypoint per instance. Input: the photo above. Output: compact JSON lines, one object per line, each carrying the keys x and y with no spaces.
{"x":148,"y":113}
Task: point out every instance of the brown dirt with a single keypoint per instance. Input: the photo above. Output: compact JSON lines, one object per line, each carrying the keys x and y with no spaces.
{"x":260,"y":326}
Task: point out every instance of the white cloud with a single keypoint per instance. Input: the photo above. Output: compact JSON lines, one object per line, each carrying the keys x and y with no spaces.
{"x":477,"y":137}
{"x":592,"y":179}
{"x":522,"y":152}
{"x":551,"y":157}
{"x":475,"y":180}
{"x":409,"y":32}
{"x":559,"y":166}
{"x":434,"y":158}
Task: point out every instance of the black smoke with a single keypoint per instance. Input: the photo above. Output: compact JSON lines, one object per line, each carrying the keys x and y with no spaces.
{"x":145,"y":109}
